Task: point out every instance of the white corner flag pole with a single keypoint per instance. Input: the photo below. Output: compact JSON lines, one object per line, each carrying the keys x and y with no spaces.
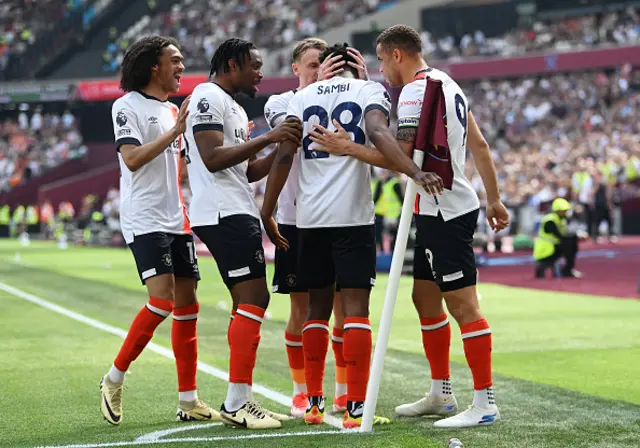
{"x":397,"y":261}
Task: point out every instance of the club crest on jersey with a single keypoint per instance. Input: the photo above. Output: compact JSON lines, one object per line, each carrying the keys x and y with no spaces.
{"x":121,"y":118}
{"x":203,"y":105}
{"x":166,"y":259}
{"x":290,"y":280}
{"x":260,"y":256}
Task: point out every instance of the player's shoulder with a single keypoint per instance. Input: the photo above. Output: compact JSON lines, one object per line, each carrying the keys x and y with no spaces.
{"x":414,"y":89}
{"x":127,"y":101}
{"x":279,"y":102}
{"x":282,"y":98}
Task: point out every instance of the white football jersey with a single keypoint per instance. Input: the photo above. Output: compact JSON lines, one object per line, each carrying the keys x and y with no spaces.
{"x":275,"y":111}
{"x":462,"y":198}
{"x":150,"y":197}
{"x":335,"y":191}
{"x":226,"y":192}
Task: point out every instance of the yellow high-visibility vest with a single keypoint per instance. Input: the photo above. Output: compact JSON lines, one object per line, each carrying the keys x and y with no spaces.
{"x":544,"y":245}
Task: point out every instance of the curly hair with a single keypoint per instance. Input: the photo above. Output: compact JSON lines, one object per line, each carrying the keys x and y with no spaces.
{"x":140,"y":58}
{"x":234,"y":48}
{"x":340,"y":50}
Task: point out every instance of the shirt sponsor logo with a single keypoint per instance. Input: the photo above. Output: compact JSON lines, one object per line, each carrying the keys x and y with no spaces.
{"x":204,"y":118}
{"x":417,"y":102}
{"x":153,"y":120}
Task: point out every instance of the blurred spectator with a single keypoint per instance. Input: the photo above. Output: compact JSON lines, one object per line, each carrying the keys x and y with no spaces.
{"x":32,"y":145}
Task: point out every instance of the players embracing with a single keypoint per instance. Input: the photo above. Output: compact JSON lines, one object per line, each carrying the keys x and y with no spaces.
{"x":335,"y":221}
{"x":444,"y":261}
{"x":306,"y":66}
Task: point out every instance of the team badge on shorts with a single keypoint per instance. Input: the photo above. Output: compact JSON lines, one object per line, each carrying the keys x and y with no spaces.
{"x":166,"y":259}
{"x":260,"y":256}
{"x":291,"y":280}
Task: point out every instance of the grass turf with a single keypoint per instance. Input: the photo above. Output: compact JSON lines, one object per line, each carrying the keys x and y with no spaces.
{"x":566,"y":364}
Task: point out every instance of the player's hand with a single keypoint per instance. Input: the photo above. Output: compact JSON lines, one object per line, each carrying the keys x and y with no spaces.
{"x":431,"y":182}
{"x":250,"y":128}
{"x":289,"y":129}
{"x":181,"y":123}
{"x":331,"y":142}
{"x":330,"y":67}
{"x":271,"y":227}
{"x":497,"y":216}
{"x":360,"y":64}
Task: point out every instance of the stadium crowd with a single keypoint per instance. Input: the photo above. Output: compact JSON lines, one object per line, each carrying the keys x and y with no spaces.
{"x":562,"y":34}
{"x":23,"y":21}
{"x":200,"y":26}
{"x":35,"y":143}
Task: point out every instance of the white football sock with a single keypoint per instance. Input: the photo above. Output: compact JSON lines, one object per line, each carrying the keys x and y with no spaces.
{"x":237,"y":395}
{"x":299,"y":388}
{"x":341,"y":389}
{"x":190,"y":395}
{"x":116,"y":375}
{"x":441,"y":388}
{"x":484,"y":398}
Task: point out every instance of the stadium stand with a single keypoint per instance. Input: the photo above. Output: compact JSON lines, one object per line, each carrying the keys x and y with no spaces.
{"x":203,"y":25}
{"x":200,"y":25}
{"x":35,"y":143}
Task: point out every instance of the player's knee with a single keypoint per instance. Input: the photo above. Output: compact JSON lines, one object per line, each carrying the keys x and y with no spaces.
{"x":355,"y":307}
{"x":185,"y":292}
{"x":427,"y":298}
{"x":299,"y":310}
{"x":162,"y":287}
{"x":463,"y":305}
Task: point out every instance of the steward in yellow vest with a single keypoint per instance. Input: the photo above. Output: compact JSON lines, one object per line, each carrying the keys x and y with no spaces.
{"x":5,"y":220}
{"x":554,"y":242}
{"x":387,"y":199}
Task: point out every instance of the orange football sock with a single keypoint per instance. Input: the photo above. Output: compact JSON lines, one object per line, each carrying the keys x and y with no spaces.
{"x":244,"y":336}
{"x":436,"y":340}
{"x":337,"y":339}
{"x":141,"y":331}
{"x":476,"y":337}
{"x":357,"y":355}
{"x":295,"y":354}
{"x":315,"y":343}
{"x":185,"y":345}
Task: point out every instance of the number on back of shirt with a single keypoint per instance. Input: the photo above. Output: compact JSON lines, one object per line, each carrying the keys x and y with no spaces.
{"x":462,"y":113}
{"x":348,"y":114}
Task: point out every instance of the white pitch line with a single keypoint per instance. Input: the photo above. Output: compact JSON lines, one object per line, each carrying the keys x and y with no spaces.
{"x":156,"y":435}
{"x":272,"y":435}
{"x":167,"y":353}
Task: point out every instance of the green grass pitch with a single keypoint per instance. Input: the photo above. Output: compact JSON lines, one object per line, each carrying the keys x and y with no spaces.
{"x":566,"y":366}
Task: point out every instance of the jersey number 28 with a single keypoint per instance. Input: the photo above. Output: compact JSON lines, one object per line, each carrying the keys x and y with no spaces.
{"x":321,"y":113}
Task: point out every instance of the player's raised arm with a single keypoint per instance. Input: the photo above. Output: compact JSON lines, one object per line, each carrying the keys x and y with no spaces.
{"x":128,"y":137}
{"x":497,"y":214}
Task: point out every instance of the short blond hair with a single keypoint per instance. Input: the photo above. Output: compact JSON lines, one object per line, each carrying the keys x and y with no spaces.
{"x":307,"y":44}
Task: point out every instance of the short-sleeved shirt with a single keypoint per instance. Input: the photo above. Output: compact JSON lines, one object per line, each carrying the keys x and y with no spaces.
{"x":462,"y":198}
{"x":275,"y":111}
{"x":150,"y":197}
{"x":226,"y":192}
{"x":335,"y":191}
